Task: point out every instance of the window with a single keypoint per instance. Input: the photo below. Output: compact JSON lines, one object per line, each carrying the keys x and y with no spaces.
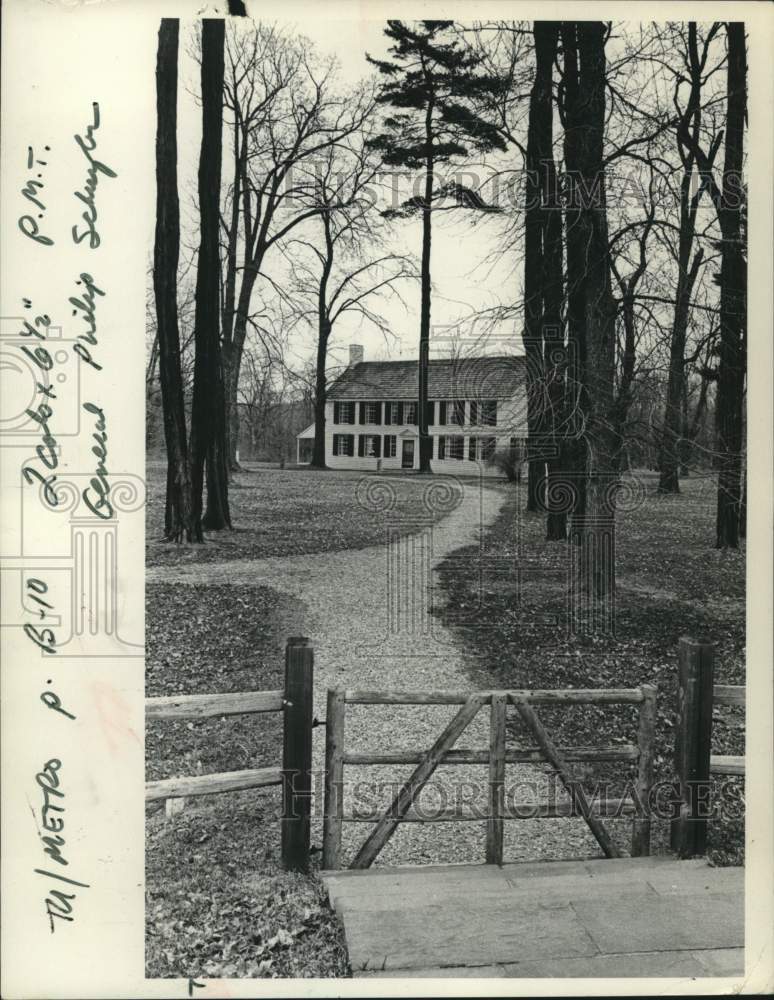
{"x":456,"y":447}
{"x":409,"y":413}
{"x":451,"y":411}
{"x":393,"y":413}
{"x":516,"y":449}
{"x":451,"y":447}
{"x":390,"y":446}
{"x":344,"y":412}
{"x":486,"y":448}
{"x":369,"y":446}
{"x":370,"y":413}
{"x":481,"y":448}
{"x":343,"y":444}
{"x":484,"y":413}
{"x":488,"y":413}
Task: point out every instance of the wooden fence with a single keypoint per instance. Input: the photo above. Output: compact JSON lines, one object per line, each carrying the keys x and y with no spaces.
{"x":694,"y":760}
{"x":295,"y":774}
{"x":495,"y":757}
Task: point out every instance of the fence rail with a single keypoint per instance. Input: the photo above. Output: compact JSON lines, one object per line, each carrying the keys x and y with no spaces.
{"x":403,"y":808}
{"x":208,"y":706}
{"x":295,"y":775}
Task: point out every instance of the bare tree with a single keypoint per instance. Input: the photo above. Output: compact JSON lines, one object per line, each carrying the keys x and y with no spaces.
{"x":180,"y":522}
{"x":208,"y":428}
{"x":592,"y":305}
{"x":689,"y":257}
{"x":349,"y":270}
{"x":284,"y":116}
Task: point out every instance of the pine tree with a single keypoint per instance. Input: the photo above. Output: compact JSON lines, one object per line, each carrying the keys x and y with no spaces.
{"x":435,"y":87}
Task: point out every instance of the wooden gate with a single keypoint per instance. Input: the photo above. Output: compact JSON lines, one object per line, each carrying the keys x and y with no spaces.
{"x":496,"y":757}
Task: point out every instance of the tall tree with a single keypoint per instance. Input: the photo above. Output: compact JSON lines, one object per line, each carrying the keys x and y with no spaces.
{"x":689,"y":258}
{"x":285,"y":115}
{"x":434,"y":85}
{"x":592,"y":305}
{"x":349,"y":266}
{"x":729,"y":198}
{"x":543,"y":294}
{"x":208,"y":415}
{"x":180,"y":522}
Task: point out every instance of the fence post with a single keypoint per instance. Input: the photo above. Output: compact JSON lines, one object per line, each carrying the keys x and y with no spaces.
{"x":297,"y":754}
{"x":497,"y":734}
{"x":645,"y":735}
{"x":334,"y":780}
{"x":692,"y":746}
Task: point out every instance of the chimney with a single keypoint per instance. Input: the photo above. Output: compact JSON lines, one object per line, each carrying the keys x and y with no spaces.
{"x":355,"y":354}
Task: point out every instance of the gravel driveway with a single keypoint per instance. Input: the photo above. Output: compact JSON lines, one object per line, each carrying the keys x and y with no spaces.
{"x":368,"y":615}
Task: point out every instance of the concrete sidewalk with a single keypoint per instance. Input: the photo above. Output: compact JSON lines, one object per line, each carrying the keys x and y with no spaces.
{"x":633,"y":917}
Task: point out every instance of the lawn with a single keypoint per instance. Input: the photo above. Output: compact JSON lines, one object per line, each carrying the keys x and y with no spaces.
{"x":217,"y":902}
{"x":507,"y":601}
{"x":279,"y":512}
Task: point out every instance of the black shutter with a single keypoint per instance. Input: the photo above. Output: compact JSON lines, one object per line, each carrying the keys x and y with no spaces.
{"x":442,"y":412}
{"x":378,"y":445}
{"x":361,"y":445}
{"x":378,"y":417}
{"x":337,"y":413}
{"x":400,"y":413}
{"x":473,"y":412}
{"x":430,"y":414}
{"x":350,"y":444}
{"x":362,"y":417}
{"x":388,"y":413}
{"x":472,"y":449}
{"x":441,"y":446}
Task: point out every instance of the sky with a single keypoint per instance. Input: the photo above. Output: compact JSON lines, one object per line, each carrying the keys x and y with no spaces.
{"x":465,"y":277}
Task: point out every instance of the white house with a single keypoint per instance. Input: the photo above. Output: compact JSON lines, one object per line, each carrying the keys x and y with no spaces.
{"x":476,"y":406}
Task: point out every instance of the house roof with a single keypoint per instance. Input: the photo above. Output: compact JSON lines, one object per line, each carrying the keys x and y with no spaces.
{"x":487,"y":377}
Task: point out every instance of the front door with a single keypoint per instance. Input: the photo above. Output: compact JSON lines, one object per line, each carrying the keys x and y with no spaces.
{"x":407,"y":459}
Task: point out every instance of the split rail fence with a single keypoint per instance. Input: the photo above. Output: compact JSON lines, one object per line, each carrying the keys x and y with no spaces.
{"x":295,"y":774}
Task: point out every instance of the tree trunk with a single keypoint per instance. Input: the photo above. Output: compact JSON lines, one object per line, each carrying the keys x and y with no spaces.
{"x":425,"y":441}
{"x":733,"y":299}
{"x":180,"y":522}
{"x":540,"y":97}
{"x":232,"y":361}
{"x":597,"y":526}
{"x":208,"y":418}
{"x":318,"y":448}
{"x":323,"y":336}
{"x":230,"y":372}
{"x":576,"y":250}
{"x":555,"y":355}
{"x":687,"y":273}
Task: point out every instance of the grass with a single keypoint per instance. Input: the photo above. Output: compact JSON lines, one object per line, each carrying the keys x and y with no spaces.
{"x":279,"y":512}
{"x":507,"y":600}
{"x":218,"y":904}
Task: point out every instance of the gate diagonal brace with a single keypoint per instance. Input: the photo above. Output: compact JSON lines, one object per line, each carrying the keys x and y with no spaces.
{"x":574,"y":789}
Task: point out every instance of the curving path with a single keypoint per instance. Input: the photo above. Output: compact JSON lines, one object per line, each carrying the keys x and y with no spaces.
{"x":368,"y":615}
